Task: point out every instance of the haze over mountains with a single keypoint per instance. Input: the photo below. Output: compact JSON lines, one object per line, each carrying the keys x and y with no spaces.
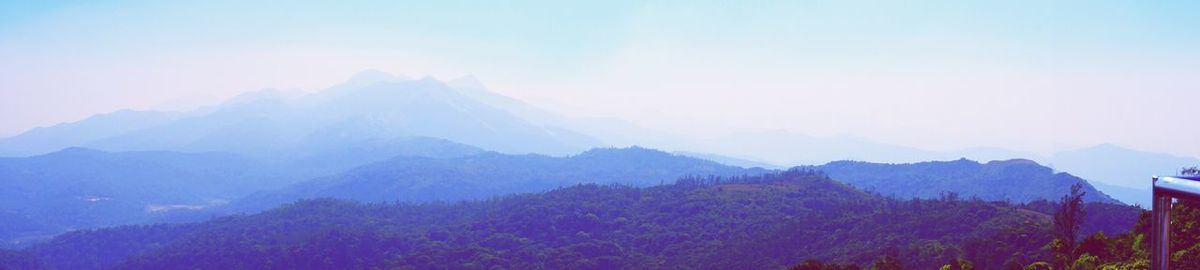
{"x":1122,"y":172}
{"x":258,"y":123}
{"x":373,"y":107}
{"x":381,"y":137}
{"x":487,"y":175}
{"x":422,"y":143}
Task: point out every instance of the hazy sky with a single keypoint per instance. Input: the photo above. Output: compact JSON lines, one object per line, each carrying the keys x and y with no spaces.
{"x":940,"y":75}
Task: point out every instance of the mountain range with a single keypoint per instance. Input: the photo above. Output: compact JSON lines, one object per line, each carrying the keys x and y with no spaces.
{"x":82,"y":188}
{"x":379,"y":137}
{"x":377,"y":106}
{"x":1121,"y":172}
{"x":766,"y":221}
{"x":369,"y":106}
{"x":490,"y":174}
{"x":77,"y":188}
{"x":384,"y":171}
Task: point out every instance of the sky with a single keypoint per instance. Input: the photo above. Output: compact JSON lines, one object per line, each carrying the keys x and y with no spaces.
{"x":940,"y":75}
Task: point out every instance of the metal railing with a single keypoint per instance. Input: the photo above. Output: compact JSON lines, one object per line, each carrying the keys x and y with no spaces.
{"x":1167,"y":189}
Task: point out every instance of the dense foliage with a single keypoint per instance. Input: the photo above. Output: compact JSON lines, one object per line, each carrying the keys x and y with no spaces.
{"x":1131,"y":250}
{"x":763,"y":222}
{"x":1127,"y":250}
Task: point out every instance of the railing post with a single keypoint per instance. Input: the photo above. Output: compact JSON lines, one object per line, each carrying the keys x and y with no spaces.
{"x":1160,"y":233}
{"x":1167,"y":189}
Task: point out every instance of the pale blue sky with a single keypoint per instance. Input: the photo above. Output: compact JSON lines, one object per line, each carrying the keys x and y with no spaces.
{"x":941,"y":75}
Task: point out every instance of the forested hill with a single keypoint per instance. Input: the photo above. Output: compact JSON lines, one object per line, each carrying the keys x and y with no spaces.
{"x":78,"y":188}
{"x":420,"y":179}
{"x":75,"y":188}
{"x":761,"y":222}
{"x":1017,"y":180}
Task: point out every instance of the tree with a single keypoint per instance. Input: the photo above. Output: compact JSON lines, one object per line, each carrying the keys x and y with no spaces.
{"x":1039,"y":266}
{"x":1085,"y":262}
{"x":1193,"y":170}
{"x":1066,"y":225}
{"x":1095,"y":245}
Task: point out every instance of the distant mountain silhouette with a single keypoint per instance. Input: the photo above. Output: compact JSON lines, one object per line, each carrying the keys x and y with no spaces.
{"x":1133,"y":196}
{"x":612,"y":131}
{"x":1015,"y":180}
{"x":419,"y":179}
{"x":371,"y":106}
{"x":727,"y":160}
{"x":379,"y":111}
{"x":1122,"y":172}
{"x":1119,"y":166}
{"x":791,"y":149}
{"x":57,"y":137}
